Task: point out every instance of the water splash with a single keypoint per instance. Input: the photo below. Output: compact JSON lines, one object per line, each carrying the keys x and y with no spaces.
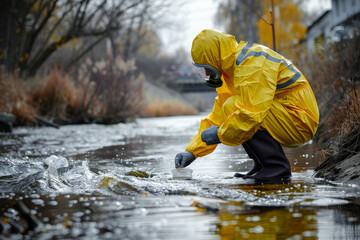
{"x":55,"y":162}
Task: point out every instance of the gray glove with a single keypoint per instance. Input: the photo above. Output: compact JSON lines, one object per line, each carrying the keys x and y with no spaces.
{"x":184,"y":159}
{"x":210,"y":135}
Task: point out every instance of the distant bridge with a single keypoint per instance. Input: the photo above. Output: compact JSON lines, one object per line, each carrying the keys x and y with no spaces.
{"x":185,"y":79}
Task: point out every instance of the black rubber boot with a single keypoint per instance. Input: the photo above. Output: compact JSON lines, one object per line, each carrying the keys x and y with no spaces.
{"x":257,"y":166}
{"x":269,"y":158}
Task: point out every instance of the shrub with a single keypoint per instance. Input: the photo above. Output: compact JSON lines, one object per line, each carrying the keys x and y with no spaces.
{"x":110,"y":92}
{"x":335,"y":77}
{"x":13,"y":99}
{"x":167,"y":108}
{"x":55,"y":96}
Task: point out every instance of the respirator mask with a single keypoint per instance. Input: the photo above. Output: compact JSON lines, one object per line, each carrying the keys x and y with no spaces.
{"x":210,"y":74}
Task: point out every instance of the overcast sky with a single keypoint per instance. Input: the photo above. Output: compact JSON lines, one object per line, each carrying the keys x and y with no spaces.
{"x":197,"y":15}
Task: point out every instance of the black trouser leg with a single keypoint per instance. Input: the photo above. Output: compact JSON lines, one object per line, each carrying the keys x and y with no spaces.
{"x":269,"y":158}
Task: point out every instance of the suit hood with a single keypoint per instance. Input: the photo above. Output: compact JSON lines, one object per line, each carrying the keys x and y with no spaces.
{"x":215,"y":48}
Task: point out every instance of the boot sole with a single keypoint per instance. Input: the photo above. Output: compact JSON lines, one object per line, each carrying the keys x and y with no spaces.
{"x":239,"y":175}
{"x":270,"y":180}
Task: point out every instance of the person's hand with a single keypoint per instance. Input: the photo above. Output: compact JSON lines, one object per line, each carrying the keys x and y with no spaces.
{"x":210,"y":135}
{"x":184,"y":159}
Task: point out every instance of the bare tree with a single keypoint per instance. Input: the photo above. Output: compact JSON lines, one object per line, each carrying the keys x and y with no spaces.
{"x":239,"y":19}
{"x":38,"y":28}
{"x":151,"y":16}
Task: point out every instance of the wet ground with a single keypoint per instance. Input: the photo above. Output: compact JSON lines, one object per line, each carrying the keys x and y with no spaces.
{"x":115,"y":182}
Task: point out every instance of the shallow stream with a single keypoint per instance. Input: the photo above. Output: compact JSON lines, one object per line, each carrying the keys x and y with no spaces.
{"x":115,"y":182}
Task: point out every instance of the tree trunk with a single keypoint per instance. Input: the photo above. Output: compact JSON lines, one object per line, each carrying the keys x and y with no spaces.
{"x":8,"y":36}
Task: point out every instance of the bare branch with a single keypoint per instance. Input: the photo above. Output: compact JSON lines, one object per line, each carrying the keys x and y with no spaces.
{"x":85,"y":51}
{"x":51,"y":32}
{"x":81,"y":3}
{"x":38,"y":14}
{"x":91,"y":16}
{"x":83,"y":12}
{"x":40,"y":58}
{"x":30,"y":38}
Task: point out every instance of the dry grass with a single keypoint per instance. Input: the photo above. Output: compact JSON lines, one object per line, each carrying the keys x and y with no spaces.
{"x":110,"y":92}
{"x":335,"y":76}
{"x":103,"y":92}
{"x":347,"y":141}
{"x":167,"y":108}
{"x":14,"y":100}
{"x":344,"y":146}
{"x":55,"y":96}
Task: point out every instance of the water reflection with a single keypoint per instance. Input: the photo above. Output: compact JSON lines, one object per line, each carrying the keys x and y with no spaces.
{"x":269,"y":223}
{"x":289,"y":211}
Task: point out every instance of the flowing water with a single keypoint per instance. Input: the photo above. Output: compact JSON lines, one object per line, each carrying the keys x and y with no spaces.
{"x":115,"y":182}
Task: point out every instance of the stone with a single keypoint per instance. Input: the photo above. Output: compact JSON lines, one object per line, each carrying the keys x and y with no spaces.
{"x":346,"y":171}
{"x":6,"y":122}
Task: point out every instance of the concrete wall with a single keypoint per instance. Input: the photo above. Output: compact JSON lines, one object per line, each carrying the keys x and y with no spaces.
{"x":320,"y":28}
{"x":343,"y":9}
{"x":333,"y":22}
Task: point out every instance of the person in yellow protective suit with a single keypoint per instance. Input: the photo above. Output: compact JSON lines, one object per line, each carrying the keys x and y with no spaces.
{"x":263,"y":102}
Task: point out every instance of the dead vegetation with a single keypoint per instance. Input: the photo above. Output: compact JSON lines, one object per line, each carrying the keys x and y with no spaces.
{"x":336,"y":78}
{"x":167,"y":108}
{"x":106,"y":92}
{"x":14,"y":100}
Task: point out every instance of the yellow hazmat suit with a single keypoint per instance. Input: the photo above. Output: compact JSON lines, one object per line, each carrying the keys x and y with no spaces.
{"x":261,"y":90}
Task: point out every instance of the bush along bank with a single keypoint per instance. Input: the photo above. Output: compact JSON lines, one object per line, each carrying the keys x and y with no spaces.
{"x":99,"y":92}
{"x":335,"y":75}
{"x":342,"y":162}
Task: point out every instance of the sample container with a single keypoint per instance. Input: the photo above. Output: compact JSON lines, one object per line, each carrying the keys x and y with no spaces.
{"x":182,"y":173}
